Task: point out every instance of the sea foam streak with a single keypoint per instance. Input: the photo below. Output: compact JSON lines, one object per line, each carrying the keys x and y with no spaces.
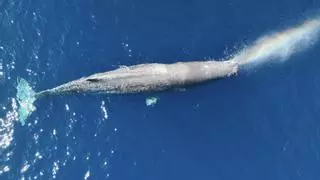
{"x":280,"y":45}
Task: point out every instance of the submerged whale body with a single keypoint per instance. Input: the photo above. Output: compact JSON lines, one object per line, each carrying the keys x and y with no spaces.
{"x":146,"y":77}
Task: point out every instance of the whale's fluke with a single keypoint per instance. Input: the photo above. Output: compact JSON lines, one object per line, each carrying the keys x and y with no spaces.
{"x":25,"y":97}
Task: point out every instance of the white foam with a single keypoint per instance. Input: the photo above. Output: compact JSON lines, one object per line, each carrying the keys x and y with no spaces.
{"x":6,"y":169}
{"x":151,"y":101}
{"x":67,"y":107}
{"x":104,"y":110}
{"x":87,"y":175}
{"x":55,"y":169}
{"x":1,"y":70}
{"x":25,"y":167}
{"x":7,"y":125}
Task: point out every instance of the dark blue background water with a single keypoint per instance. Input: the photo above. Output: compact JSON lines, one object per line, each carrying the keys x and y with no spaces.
{"x":259,"y":125}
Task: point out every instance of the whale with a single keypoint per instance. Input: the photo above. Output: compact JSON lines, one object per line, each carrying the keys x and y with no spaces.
{"x":138,"y":78}
{"x":146,"y":78}
{"x":272,"y":47}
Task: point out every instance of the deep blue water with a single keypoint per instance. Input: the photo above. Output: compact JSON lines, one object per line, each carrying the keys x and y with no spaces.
{"x":263,"y":124}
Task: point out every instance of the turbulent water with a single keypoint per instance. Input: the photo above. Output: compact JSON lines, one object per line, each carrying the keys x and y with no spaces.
{"x":47,"y":43}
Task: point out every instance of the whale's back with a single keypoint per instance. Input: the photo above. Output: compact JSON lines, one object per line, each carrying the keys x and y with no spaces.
{"x":147,"y":77}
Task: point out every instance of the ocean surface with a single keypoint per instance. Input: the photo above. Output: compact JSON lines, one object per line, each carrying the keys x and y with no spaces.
{"x":262,"y":124}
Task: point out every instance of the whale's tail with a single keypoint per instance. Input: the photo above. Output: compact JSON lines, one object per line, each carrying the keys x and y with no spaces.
{"x":43,"y":93}
{"x":25,"y":97}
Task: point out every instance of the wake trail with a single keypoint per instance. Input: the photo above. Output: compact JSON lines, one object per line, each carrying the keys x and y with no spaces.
{"x":280,"y":45}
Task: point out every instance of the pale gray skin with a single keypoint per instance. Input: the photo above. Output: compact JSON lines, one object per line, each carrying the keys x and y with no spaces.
{"x":147,"y":77}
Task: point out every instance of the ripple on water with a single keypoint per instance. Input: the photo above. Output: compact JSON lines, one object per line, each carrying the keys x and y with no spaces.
{"x":5,"y":169}
{"x":55,"y":169}
{"x":7,"y":125}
